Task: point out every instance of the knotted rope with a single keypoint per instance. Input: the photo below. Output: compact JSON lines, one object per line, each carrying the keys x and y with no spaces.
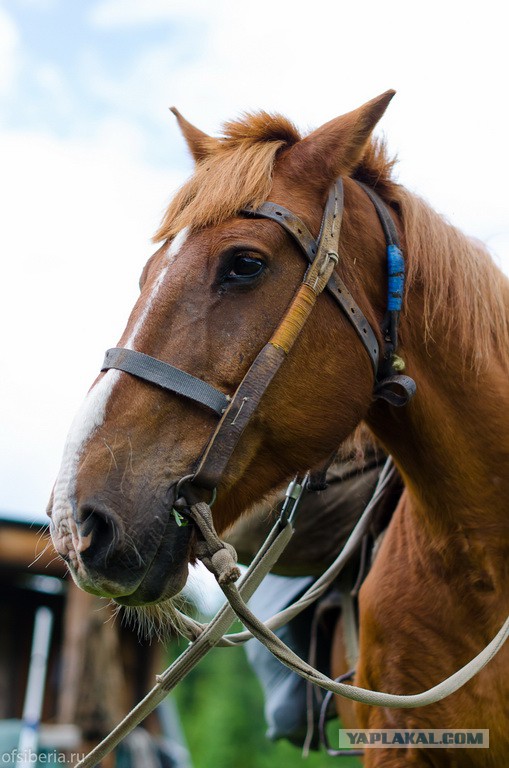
{"x":222,"y":561}
{"x":218,"y":556}
{"x":290,"y":659}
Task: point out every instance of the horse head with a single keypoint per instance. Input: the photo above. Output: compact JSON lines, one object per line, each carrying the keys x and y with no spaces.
{"x":210,"y":298}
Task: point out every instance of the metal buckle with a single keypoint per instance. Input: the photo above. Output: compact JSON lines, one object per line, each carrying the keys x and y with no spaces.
{"x":293,"y":496}
{"x":181,"y":519}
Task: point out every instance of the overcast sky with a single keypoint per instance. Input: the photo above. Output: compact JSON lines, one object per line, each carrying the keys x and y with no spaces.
{"x":89,"y":155}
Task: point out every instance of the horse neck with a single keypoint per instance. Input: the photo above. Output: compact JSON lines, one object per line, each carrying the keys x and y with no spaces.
{"x":452,"y":441}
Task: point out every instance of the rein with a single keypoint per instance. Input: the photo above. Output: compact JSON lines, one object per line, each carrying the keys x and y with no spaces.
{"x":235,"y":413}
{"x":205,"y":637}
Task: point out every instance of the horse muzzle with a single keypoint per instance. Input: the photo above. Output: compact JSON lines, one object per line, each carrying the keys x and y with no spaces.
{"x":135,"y":566}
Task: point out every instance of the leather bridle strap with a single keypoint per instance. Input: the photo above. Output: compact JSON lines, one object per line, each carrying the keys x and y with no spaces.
{"x":257,"y":379}
{"x":166,"y":376}
{"x":388,"y":225}
{"x":322,"y":255}
{"x":335,"y":286}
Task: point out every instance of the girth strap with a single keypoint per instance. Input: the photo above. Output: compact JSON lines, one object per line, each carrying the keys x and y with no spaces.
{"x":166,"y":376}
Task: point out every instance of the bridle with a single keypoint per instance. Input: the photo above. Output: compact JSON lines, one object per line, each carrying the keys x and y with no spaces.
{"x":322,"y":255}
{"x":236,"y":412}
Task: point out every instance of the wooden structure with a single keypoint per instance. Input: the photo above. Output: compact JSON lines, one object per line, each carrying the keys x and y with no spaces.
{"x":97,"y":668}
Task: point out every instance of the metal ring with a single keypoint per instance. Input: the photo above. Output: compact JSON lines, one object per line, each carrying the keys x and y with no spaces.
{"x":189,"y":478}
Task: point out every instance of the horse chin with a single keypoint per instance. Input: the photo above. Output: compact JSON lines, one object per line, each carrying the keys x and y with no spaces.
{"x":157,"y":620}
{"x":154,"y":608}
{"x":167,"y":574}
{"x":132,"y":584}
{"x":156,"y":586}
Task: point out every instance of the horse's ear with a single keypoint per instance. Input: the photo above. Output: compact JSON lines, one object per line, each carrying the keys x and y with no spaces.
{"x":337,"y":147}
{"x":200,"y":144}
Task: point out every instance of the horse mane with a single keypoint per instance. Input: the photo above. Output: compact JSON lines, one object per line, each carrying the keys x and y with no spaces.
{"x":464,"y":292}
{"x":236,"y":173}
{"x":463,"y":289}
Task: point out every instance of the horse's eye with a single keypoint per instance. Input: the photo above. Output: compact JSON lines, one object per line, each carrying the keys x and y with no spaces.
{"x":245,"y":267}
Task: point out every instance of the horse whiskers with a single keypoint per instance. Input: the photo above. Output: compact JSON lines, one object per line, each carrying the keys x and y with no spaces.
{"x":128,"y":464}
{"x":43,"y":534}
{"x":113,"y":612}
{"x":130,"y":545}
{"x":159,"y":621}
{"x":55,"y":559}
{"x":42,"y":552}
{"x":112,"y":454}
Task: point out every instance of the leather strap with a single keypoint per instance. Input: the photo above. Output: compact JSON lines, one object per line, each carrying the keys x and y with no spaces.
{"x":267,"y":363}
{"x":309,"y":247}
{"x":166,"y":376}
{"x":290,"y":223}
{"x":235,"y":419}
{"x":391,"y":386}
{"x":388,"y":225}
{"x":322,"y":254}
{"x":396,"y":390}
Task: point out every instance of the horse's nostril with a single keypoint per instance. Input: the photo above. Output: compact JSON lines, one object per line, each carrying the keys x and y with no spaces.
{"x":100,"y":533}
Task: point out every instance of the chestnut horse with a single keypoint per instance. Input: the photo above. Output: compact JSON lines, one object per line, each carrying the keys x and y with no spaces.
{"x":211,"y":297}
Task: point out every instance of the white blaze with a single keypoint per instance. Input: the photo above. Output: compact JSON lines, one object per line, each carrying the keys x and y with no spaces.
{"x":92,"y":412}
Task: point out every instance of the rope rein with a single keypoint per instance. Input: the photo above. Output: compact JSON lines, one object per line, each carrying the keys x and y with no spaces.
{"x":235,"y":413}
{"x":220,"y":558}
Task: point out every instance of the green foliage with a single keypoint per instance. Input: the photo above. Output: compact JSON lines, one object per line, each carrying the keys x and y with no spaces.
{"x":221,"y":706}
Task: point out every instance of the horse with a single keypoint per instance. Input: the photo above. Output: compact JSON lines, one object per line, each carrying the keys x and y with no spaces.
{"x":210,"y":297}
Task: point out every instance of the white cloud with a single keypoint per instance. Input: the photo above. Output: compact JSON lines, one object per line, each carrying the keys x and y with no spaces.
{"x":147,"y":87}
{"x":78,"y":215}
{"x":76,"y":227}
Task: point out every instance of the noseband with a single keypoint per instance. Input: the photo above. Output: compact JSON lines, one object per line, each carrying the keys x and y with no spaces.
{"x":322,"y":255}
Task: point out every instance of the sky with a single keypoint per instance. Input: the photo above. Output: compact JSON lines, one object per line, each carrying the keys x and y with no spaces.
{"x":90,"y":156}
